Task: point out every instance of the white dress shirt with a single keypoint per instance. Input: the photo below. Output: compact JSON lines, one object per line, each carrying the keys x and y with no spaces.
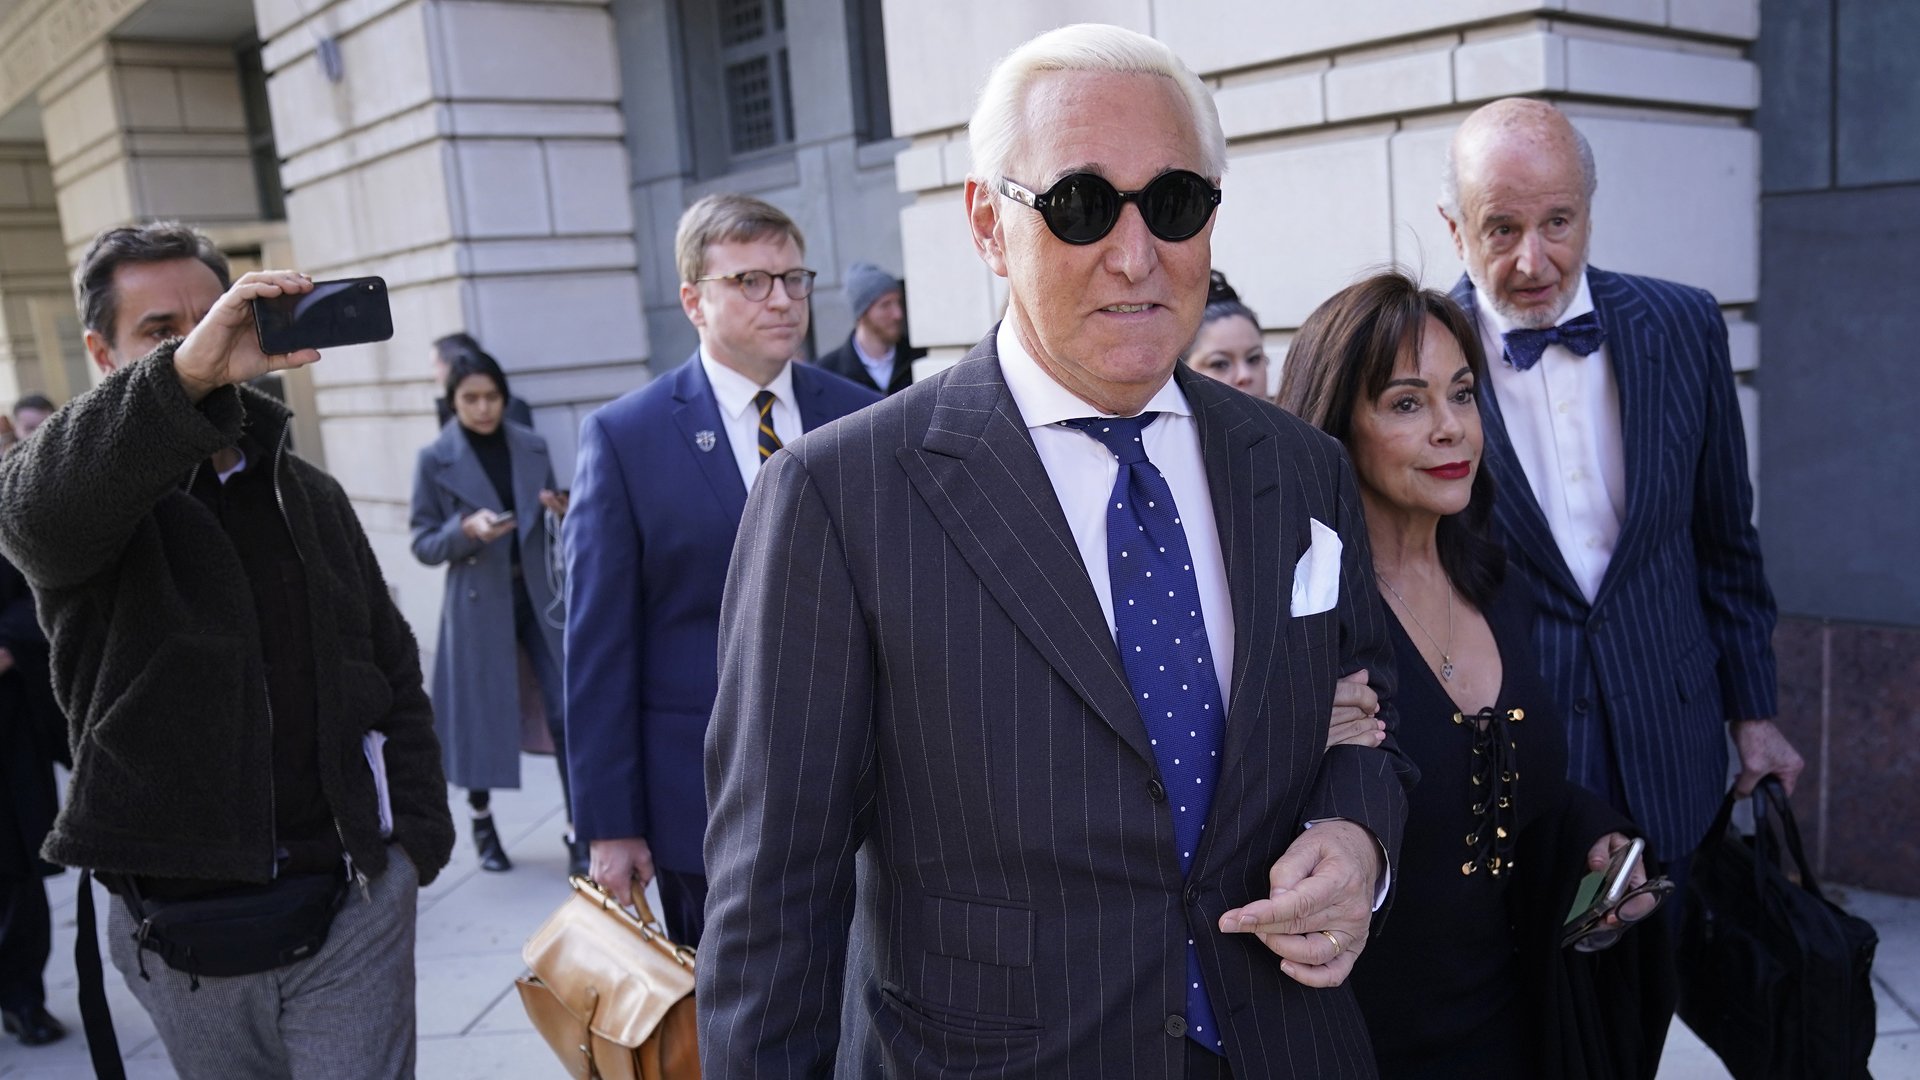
{"x":1563,"y":417}
{"x":733,"y":392}
{"x":1083,"y":470}
{"x":881,"y":370}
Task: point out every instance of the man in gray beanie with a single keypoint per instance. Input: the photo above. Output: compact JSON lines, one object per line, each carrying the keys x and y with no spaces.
{"x":876,"y":354}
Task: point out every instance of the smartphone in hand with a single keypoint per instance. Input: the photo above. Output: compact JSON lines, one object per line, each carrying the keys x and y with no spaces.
{"x":349,"y":311}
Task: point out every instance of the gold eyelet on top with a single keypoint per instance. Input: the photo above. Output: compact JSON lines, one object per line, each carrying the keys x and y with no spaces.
{"x":1467,"y":868}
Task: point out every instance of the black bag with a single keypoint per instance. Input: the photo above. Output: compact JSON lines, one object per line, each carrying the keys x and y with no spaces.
{"x":240,"y":931}
{"x":1773,"y":976}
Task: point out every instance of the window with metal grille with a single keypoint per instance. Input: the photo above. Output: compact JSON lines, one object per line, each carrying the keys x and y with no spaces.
{"x":757,"y":81}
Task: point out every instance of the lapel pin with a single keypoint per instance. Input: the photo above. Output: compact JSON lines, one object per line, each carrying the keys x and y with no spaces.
{"x":705,"y":440}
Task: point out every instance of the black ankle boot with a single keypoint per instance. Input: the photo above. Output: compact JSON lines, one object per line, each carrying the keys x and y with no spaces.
{"x":486,"y":840}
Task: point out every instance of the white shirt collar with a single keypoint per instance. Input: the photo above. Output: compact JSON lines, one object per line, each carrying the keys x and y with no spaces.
{"x":1500,"y":324}
{"x":733,"y":392}
{"x":873,"y":361}
{"x":1043,"y":401}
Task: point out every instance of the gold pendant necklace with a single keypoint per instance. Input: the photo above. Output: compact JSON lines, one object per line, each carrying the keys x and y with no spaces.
{"x":1446,"y":651}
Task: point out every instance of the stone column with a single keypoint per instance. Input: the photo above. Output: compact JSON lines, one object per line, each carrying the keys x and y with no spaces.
{"x":33,"y":279}
{"x":143,"y":130}
{"x":472,"y":153}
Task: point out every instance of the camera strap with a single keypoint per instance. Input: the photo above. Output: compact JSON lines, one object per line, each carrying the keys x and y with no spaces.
{"x":103,"y":1046}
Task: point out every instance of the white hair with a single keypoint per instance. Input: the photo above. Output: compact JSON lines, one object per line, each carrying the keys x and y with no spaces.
{"x":994,"y":133}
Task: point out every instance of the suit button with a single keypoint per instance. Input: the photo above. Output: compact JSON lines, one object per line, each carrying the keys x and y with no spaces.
{"x":1581,"y":706}
{"x":472,"y":560}
{"x":1177,"y":1026}
{"x":1193,"y":895}
{"x":472,"y":594}
{"x":1156,"y":792}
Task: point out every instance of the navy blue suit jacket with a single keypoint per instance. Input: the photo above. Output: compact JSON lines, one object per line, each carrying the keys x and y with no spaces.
{"x":656,"y":503}
{"x":1678,"y":640}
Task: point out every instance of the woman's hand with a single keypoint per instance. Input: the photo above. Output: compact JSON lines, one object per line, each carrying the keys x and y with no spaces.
{"x":1601,"y":855}
{"x":485,"y":526}
{"x":1356,"y":713}
{"x":555,"y":501}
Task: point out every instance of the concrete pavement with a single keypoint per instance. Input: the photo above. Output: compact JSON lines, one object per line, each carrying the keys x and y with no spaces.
{"x":472,"y":925}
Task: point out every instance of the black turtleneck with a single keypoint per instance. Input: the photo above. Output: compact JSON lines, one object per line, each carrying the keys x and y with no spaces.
{"x":497,"y":459}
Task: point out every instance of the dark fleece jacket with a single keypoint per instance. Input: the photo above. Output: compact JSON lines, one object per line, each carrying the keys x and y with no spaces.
{"x":157,"y":660}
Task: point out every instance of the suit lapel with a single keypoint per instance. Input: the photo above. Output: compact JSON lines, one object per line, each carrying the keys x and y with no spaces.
{"x":1633,"y":352}
{"x":460,"y":469}
{"x":810,"y":398}
{"x":698,"y":415}
{"x":1243,"y":482}
{"x":1516,"y":510}
{"x":979,"y":473}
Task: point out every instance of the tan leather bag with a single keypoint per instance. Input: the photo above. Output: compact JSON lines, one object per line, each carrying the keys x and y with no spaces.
{"x":611,"y":993}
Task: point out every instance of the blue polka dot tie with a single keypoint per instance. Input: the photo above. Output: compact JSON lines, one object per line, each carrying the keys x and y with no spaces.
{"x":1162,"y":638}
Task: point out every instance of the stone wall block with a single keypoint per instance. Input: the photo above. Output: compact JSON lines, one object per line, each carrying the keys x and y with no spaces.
{"x":210,"y":100}
{"x":386,"y":73}
{"x":389,"y":205}
{"x":503,"y":188}
{"x":1409,"y":83}
{"x":1286,"y":255}
{"x":196,"y":189}
{"x":149,"y":98}
{"x":1645,"y":73}
{"x":559,"y":320}
{"x":538,"y":52}
{"x":80,"y":115}
{"x":1224,"y":35}
{"x":919,"y":167}
{"x":1422,"y":245}
{"x":950,"y":299}
{"x":1650,"y":12}
{"x":1654,"y":175}
{"x":1258,"y":108}
{"x":1528,"y":63}
{"x":587,"y":181}
{"x":939,"y":54}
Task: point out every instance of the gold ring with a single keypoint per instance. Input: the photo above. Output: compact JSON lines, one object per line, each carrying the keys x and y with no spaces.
{"x":1337,"y":947}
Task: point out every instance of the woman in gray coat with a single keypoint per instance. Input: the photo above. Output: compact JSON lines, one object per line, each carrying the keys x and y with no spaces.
{"x":482,"y":496}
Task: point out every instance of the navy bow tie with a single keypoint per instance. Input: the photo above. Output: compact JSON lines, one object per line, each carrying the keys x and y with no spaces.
{"x":1582,"y":334}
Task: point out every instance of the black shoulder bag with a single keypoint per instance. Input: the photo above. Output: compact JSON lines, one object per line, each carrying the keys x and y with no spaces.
{"x":1775,"y":977}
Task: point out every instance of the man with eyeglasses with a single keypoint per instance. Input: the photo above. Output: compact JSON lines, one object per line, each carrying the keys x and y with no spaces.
{"x":1020,"y":756}
{"x":661,"y":478}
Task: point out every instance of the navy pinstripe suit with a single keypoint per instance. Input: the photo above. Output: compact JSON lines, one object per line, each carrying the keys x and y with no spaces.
{"x":929,"y":778}
{"x":1678,"y":640}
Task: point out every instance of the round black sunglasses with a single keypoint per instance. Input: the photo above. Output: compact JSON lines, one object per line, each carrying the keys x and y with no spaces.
{"x":1081,"y":208}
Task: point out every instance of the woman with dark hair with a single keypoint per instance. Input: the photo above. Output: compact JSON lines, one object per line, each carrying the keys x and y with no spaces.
{"x":482,"y":495}
{"x":1469,"y":976}
{"x":452,"y":347}
{"x":1228,"y":347}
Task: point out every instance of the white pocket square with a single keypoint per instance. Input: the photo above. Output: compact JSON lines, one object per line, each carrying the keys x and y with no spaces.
{"x":1316,"y":577}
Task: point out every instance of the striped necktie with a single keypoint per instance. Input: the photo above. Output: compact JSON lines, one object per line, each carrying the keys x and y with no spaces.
{"x":769,"y":442}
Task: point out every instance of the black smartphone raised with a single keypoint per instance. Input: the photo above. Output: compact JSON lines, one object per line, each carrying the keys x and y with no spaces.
{"x":350,"y":311}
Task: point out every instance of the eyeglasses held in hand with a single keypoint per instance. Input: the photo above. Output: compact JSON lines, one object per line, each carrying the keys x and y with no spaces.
{"x":1593,"y":933}
{"x":1081,"y":208}
{"x":757,"y":285}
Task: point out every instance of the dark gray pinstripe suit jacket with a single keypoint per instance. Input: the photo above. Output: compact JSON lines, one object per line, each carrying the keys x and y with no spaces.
{"x":927,"y":774}
{"x":1679,"y":639}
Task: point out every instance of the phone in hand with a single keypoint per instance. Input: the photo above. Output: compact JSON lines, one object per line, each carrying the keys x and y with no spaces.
{"x":504,"y":517}
{"x":349,"y":311}
{"x":1602,"y":889}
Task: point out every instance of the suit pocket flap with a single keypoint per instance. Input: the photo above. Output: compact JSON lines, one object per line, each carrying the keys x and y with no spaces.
{"x":984,"y":931}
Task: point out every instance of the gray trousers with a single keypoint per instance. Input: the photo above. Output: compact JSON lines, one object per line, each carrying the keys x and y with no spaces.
{"x":347,"y":1011}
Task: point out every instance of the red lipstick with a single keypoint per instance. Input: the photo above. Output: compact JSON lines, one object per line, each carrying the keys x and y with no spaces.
{"x":1456,"y":470}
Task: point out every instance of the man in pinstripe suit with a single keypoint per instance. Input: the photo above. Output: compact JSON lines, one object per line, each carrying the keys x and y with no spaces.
{"x":1615,"y":440}
{"x":953,"y":831}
